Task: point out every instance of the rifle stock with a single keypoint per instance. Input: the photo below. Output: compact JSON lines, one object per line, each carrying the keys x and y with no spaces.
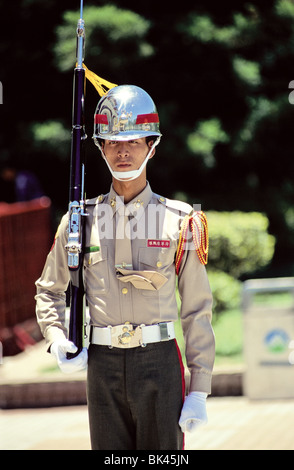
{"x":76,"y":227}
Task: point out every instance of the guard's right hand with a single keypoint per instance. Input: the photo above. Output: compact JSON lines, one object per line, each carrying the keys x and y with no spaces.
{"x":59,"y":350}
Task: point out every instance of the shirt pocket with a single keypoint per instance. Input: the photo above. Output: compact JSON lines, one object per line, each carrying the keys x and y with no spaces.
{"x":97,"y":272}
{"x":160,"y":260}
{"x":155,"y":258}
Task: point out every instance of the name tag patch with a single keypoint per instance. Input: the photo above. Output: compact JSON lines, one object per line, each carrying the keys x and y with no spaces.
{"x":158,"y":243}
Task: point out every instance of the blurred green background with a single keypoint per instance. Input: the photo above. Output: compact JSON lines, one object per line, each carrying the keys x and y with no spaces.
{"x":219,"y":73}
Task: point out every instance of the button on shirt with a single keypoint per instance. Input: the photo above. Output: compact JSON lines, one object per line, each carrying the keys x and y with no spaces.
{"x":141,"y":290}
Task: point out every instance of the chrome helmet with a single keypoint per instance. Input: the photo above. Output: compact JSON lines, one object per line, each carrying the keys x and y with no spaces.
{"x":124,"y":113}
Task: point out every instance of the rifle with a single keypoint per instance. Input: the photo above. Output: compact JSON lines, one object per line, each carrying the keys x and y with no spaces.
{"x":76,"y":226}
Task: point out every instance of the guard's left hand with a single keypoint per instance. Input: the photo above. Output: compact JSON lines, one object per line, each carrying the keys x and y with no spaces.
{"x":193,"y":412}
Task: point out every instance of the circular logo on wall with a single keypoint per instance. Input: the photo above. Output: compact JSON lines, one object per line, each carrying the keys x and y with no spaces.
{"x":277,"y":341}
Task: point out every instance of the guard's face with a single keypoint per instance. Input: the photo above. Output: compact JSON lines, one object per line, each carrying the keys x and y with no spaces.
{"x":126,"y":155}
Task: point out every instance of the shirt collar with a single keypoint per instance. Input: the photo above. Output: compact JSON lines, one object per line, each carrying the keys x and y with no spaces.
{"x":136,"y":206}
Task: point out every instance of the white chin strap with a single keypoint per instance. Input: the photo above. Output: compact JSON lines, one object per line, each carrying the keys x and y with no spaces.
{"x":129,"y":175}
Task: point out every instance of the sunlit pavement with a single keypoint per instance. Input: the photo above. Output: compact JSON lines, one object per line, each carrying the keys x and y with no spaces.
{"x":234,"y":424}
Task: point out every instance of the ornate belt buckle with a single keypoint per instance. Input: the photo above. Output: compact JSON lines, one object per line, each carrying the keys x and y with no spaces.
{"x":125,"y":336}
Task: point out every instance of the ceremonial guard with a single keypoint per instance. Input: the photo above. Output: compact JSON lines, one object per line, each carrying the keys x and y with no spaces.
{"x":138,"y":245}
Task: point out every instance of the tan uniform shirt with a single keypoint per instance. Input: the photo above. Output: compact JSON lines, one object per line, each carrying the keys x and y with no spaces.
{"x":144,"y":293}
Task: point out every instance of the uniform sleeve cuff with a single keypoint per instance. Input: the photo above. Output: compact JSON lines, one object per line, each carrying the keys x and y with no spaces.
{"x":200,"y":382}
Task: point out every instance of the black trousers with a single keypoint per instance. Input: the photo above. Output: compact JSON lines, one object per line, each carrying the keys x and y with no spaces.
{"x":135,"y":397}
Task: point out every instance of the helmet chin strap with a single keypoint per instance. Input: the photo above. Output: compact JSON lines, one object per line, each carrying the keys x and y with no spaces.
{"x":129,"y":175}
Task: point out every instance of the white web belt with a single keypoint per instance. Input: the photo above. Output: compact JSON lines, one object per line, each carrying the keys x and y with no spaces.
{"x":130,"y":336}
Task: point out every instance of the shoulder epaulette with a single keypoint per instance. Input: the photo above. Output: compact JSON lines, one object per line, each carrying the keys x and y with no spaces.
{"x":95,"y":200}
{"x":196,"y":222}
{"x":174,"y":204}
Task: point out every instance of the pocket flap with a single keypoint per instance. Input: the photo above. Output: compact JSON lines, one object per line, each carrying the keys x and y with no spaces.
{"x":146,"y":280}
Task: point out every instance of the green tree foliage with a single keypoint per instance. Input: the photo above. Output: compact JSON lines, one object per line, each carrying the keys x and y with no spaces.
{"x":239,"y":242}
{"x":226,"y":291}
{"x":113,"y":35}
{"x":240,"y":245}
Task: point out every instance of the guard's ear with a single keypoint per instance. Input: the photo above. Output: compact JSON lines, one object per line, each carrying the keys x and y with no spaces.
{"x":150,"y":143}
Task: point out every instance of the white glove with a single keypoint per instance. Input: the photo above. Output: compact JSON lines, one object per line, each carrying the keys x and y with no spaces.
{"x":59,"y":349}
{"x":193,"y":412}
